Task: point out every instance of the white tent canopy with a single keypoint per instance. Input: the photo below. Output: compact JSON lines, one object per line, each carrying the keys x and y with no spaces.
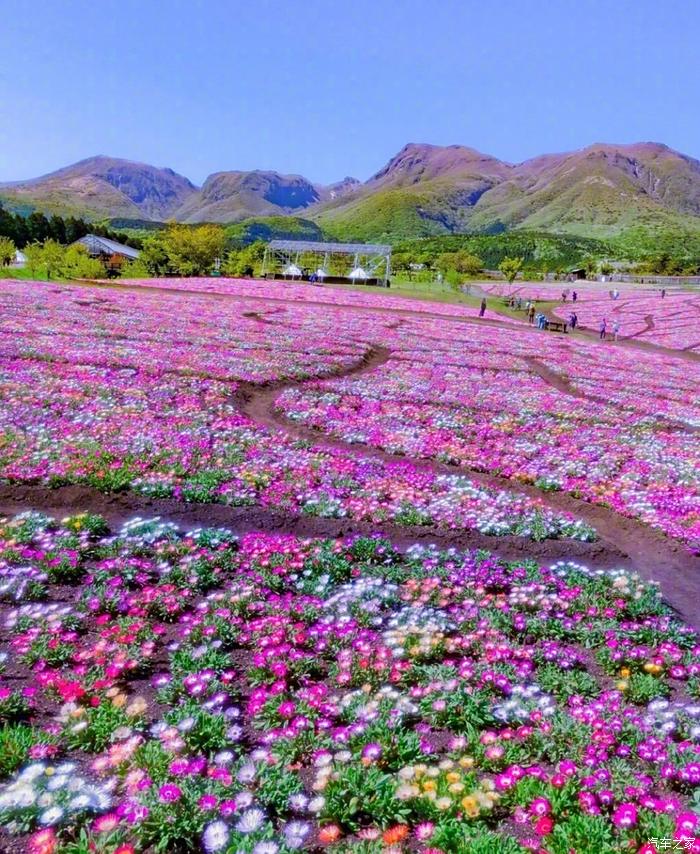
{"x":292,"y":270}
{"x":358,"y":273}
{"x":321,"y":273}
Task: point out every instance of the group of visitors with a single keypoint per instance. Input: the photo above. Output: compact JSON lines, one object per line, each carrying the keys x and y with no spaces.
{"x":603,"y":329}
{"x":565,"y":294}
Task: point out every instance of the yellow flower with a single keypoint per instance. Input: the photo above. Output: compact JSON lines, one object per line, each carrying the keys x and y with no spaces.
{"x":625,"y":672}
{"x":469,"y":802}
{"x":453,"y":777}
{"x":429,"y":786}
{"x":467,"y":761}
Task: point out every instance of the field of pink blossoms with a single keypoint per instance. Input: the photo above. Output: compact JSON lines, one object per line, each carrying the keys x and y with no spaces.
{"x":407,"y":604}
{"x":642,"y":313}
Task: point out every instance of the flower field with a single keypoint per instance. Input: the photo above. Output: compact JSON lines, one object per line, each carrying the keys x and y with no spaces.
{"x":643,"y":314}
{"x":346,"y":575}
{"x":550,"y":411}
{"x":172,"y":691}
{"x":163,"y":420}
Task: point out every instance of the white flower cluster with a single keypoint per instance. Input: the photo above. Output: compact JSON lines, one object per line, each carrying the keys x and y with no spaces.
{"x":682,"y":719}
{"x":15,"y":581}
{"x":522,"y":701}
{"x":50,"y":794}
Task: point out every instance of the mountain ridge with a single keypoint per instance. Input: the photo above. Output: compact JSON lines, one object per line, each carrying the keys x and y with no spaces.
{"x":424,"y":189}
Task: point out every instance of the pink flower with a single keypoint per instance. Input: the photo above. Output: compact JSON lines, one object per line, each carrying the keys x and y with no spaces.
{"x":541,"y":807}
{"x":544,"y":826}
{"x":625,"y":816}
{"x":169,"y":793}
{"x":207,"y":802}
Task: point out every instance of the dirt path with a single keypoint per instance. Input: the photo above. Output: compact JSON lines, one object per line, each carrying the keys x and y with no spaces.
{"x":623,"y":541}
{"x":119,"y":507}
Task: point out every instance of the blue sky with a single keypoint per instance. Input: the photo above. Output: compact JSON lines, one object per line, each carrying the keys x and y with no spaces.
{"x":328,"y":89}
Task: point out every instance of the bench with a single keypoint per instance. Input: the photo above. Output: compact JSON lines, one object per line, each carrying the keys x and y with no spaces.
{"x":556,"y":325}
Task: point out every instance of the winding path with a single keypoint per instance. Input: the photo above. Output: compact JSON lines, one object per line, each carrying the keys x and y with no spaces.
{"x":623,"y":541}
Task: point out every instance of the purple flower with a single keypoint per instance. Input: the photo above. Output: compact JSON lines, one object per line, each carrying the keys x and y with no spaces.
{"x":169,"y":793}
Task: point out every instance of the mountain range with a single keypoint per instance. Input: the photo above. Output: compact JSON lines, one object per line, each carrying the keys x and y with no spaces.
{"x":424,"y":190}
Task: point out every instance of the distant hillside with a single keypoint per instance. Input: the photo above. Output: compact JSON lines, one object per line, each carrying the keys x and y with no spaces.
{"x":103,"y":187}
{"x":602,"y":191}
{"x":232,"y":196}
{"x":274,"y":228}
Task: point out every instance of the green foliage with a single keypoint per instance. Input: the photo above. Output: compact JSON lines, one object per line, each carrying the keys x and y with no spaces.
{"x":643,"y":688}
{"x":272,"y":228}
{"x":186,"y":250}
{"x":510,"y":267}
{"x":363,"y":795}
{"x":16,"y":740}
{"x":94,"y":730}
{"x":7,"y":250}
{"x":460,"y":261}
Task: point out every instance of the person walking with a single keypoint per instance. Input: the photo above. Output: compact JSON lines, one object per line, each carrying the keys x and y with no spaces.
{"x":603,"y":326}
{"x":574,"y":296}
{"x":663,"y":293}
{"x":531,"y":314}
{"x":616,"y":329}
{"x":482,"y":309}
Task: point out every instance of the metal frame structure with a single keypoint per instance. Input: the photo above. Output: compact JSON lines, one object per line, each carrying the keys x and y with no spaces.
{"x":97,"y":246}
{"x":332,"y":262}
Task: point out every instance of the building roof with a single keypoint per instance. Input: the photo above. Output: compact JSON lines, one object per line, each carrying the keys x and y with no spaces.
{"x":97,"y":245}
{"x":339,"y":248}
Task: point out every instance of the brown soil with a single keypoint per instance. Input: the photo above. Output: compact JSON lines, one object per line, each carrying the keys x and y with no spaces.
{"x":622,"y":541}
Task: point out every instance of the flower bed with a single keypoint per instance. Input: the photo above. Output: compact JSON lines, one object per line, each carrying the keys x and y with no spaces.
{"x":174,"y":691}
{"x":120,"y":391}
{"x":611,"y":425}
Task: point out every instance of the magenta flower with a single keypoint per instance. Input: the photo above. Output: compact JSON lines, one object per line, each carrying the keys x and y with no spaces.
{"x":169,"y":793}
{"x":625,"y":816}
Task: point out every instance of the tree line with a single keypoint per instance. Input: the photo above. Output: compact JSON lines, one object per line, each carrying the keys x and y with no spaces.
{"x":37,"y":228}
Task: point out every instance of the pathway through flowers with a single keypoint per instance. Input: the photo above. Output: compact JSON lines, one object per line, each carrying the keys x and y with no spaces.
{"x":259,"y":670}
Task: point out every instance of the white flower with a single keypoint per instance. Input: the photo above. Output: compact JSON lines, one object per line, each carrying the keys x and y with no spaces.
{"x":317,"y":804}
{"x":51,"y":815}
{"x":298,"y":802}
{"x":247,"y":773}
{"x":215,"y":836}
{"x":250,"y":821}
{"x":295,"y":832}
{"x":79,"y":802}
{"x":266,"y":848}
{"x":31,"y":772}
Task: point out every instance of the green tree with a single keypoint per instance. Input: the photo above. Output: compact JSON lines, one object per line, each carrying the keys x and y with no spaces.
{"x":510,"y":267}
{"x":154,"y":256}
{"x":77,"y":264}
{"x":33,"y":253}
{"x":52,"y":258}
{"x":7,"y":251}
{"x":192,"y":250}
